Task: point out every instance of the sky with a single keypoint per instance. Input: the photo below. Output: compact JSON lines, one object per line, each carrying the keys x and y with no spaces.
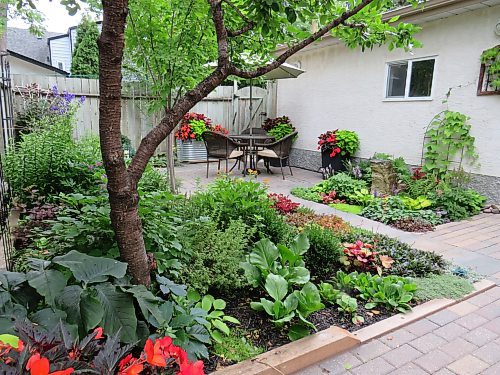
{"x":57,"y":18}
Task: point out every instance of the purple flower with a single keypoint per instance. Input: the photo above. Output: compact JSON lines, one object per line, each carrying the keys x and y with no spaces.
{"x":68,"y":97}
{"x":82,"y":99}
{"x":55,"y":90}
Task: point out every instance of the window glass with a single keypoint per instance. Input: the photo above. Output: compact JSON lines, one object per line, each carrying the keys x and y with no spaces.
{"x":396,"y":83}
{"x":421,"y":78}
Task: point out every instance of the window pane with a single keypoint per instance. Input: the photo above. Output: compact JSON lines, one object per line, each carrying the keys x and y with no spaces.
{"x":397,"y":80}
{"x":421,"y":78}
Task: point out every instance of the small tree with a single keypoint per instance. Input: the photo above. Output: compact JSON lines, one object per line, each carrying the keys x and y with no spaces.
{"x":86,"y":56}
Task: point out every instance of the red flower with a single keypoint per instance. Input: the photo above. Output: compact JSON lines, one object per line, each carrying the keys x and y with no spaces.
{"x":195,"y":368}
{"x":98,"y":332}
{"x":38,"y":365}
{"x":154,"y":353}
{"x":130,"y":366}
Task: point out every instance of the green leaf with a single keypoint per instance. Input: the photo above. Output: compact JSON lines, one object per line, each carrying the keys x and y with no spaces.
{"x":91,"y":310}
{"x":206,"y":302}
{"x":91,"y":269}
{"x":219,"y":304}
{"x":299,"y":275}
{"x":220,"y":325}
{"x":48,"y":283}
{"x":216,"y":335}
{"x":119,"y":312}
{"x":10,"y":340}
{"x":69,"y":302}
{"x":276,"y":286}
{"x":230,"y":319}
{"x":298,"y":331}
{"x":300,"y":245}
{"x":264,"y":254}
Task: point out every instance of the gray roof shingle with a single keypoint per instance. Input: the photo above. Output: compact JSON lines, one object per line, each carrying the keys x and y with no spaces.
{"x":27,"y":44}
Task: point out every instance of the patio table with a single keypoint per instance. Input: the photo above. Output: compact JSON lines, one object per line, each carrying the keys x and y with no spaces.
{"x":252,"y":140}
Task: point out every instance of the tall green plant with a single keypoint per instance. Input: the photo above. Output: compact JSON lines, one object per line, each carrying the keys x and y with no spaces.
{"x":86,"y":55}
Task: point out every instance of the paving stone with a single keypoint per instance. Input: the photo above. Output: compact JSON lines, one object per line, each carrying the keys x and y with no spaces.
{"x":371,"y":350}
{"x":340,"y":364}
{"x":490,"y":311}
{"x":471,"y":321}
{"x":434,"y":361}
{"x":493,"y":325}
{"x":463,"y":308}
{"x":450,"y":331}
{"x":468,"y":365}
{"x":377,"y":366}
{"x":397,"y":338}
{"x":422,"y":327}
{"x":443,"y":317}
{"x":480,"y":336}
{"x":482,"y":299}
{"x":410,"y":369}
{"x":427,"y":342}
{"x":402,"y":355}
{"x":494,"y":292}
{"x":493,"y":370}
{"x":458,"y":348}
{"x":489,"y":353}
{"x":312,"y":370}
{"x":444,"y":371}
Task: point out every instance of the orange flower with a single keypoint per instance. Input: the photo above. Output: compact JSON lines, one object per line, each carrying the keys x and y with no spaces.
{"x":130,"y":366}
{"x":38,"y":365}
{"x":190,"y":368}
{"x":178,"y":354}
{"x":154,"y":353}
{"x":20,"y":346}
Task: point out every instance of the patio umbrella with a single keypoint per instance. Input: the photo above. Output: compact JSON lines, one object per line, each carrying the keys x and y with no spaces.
{"x":284,"y":71}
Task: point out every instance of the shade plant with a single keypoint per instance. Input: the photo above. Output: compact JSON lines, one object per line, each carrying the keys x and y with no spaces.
{"x":343,"y":142}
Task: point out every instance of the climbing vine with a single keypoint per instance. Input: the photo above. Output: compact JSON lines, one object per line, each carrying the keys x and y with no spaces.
{"x":491,"y":60}
{"x":448,"y":140}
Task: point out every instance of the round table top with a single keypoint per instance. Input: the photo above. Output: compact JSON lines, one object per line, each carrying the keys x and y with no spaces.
{"x":251,"y":136}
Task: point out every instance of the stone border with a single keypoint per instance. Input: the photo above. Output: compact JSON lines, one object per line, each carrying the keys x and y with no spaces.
{"x":297,"y":355}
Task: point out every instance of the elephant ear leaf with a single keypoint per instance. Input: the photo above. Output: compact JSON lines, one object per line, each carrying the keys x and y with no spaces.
{"x":89,"y":269}
{"x":48,"y":283}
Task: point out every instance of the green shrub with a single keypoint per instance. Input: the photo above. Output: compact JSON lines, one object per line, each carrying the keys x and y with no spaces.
{"x":341,"y":183}
{"x":459,"y":203}
{"x":408,"y":262}
{"x":442,"y":286}
{"x":307,"y":194}
{"x":216,"y":256}
{"x":236,"y":348}
{"x":153,"y":180}
{"x":392,"y":209}
{"x":347,"y":141}
{"x":324,"y":252}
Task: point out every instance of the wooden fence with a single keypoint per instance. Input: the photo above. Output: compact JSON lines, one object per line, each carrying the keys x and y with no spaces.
{"x":226,"y":105}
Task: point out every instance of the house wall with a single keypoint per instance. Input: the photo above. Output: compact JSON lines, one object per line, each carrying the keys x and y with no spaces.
{"x":60,"y":51}
{"x":18,"y":66}
{"x":345,"y":88}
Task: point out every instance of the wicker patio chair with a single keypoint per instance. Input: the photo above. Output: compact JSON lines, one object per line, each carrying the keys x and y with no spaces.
{"x":279,"y":150}
{"x":254,"y":131}
{"x":221,"y":147}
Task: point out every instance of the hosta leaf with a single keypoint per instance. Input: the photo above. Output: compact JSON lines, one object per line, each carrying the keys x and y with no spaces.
{"x":119,"y":312}
{"x":219,"y":304}
{"x":91,"y":269}
{"x":230,"y":319}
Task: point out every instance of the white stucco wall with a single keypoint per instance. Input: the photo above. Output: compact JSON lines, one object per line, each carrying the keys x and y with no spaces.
{"x":344,"y":88}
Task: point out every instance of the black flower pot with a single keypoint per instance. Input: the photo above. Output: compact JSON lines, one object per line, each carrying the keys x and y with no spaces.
{"x":335,"y":163}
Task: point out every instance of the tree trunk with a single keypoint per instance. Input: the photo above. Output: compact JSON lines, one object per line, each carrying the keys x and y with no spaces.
{"x":122,"y":188}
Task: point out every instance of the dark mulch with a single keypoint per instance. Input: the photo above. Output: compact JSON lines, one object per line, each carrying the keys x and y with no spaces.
{"x":262,"y":332}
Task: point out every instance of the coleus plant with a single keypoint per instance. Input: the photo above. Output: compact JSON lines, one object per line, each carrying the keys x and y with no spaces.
{"x":328,"y":142}
{"x":283,"y":204}
{"x":363,"y":256}
{"x":38,"y":352}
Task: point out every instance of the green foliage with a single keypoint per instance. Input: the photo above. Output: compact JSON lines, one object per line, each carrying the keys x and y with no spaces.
{"x":153,"y":180}
{"x":343,"y":184}
{"x":216,"y":255}
{"x":408,"y":262}
{"x":85,"y":59}
{"x":401,"y":168}
{"x":459,"y":203}
{"x":418,"y":203}
{"x":442,"y":286}
{"x":491,"y":59}
{"x":447,"y":136}
{"x":351,"y":208}
{"x":362,"y":197}
{"x":324,"y":252}
{"x":236,"y":348}
{"x":392,"y":209}
{"x":306,"y":193}
{"x":347,"y":141}
{"x":346,"y":304}
{"x":281,"y":130}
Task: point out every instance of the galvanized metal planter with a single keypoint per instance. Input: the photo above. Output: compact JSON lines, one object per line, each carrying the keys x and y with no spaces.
{"x":191,"y":151}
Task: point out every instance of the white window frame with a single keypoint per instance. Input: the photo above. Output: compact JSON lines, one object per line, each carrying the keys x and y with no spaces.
{"x":410,"y":62}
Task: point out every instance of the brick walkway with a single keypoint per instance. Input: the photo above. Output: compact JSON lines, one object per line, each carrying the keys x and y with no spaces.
{"x":463,"y":339}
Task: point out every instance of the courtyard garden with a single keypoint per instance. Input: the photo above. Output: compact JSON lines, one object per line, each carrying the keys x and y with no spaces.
{"x":236,"y":270}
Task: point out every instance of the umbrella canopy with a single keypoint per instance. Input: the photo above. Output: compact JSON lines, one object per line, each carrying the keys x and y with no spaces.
{"x":284,"y":71}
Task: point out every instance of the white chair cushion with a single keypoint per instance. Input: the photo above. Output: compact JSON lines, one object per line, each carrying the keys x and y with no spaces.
{"x":266,"y":153}
{"x":235,"y":154}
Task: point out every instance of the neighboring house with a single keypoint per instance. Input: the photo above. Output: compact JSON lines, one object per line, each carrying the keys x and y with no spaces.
{"x":29,"y":54}
{"x":61,"y":48}
{"x":389,"y":97}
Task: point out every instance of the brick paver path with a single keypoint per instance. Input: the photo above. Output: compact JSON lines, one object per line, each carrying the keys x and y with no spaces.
{"x":463,"y":339}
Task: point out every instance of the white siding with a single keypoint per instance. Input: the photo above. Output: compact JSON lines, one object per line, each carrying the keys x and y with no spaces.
{"x":18,"y":66}
{"x":344,"y":88}
{"x":60,"y":52}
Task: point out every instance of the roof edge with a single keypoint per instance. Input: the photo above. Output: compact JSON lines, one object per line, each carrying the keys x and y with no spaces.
{"x":38,"y":63}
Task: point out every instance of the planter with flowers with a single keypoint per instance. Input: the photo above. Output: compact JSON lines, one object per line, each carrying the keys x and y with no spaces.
{"x":337,"y":147}
{"x":190,"y":146}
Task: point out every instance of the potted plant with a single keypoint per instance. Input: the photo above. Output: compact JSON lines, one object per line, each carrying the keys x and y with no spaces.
{"x":337,"y":146}
{"x":190,"y":146}
{"x":278,"y":128}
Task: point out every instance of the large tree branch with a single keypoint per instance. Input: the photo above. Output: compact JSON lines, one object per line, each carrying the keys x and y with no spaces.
{"x":221,"y":32}
{"x":300,"y":45}
{"x":249,"y":23}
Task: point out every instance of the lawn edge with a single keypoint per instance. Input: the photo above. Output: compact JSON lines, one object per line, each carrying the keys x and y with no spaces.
{"x":297,"y":355}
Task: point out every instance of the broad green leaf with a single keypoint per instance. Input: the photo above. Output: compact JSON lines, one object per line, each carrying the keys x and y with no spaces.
{"x":299,"y":275}
{"x":48,"y":283}
{"x":252,"y":273}
{"x":206,"y":302}
{"x":300,"y":245}
{"x":276,"y":286}
{"x":10,"y":340}
{"x":9,"y":280}
{"x":91,"y":269}
{"x":48,"y":318}
{"x":264,"y":254}
{"x":219,"y":304}
{"x":91,"y":310}
{"x":230,"y":319}
{"x":69,"y":302}
{"x":298,"y":331}
{"x":220,"y":325}
{"x":217,"y":336}
{"x":119,"y":312}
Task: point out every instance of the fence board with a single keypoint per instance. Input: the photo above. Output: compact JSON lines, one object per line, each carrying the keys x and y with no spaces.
{"x":224,"y":106}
